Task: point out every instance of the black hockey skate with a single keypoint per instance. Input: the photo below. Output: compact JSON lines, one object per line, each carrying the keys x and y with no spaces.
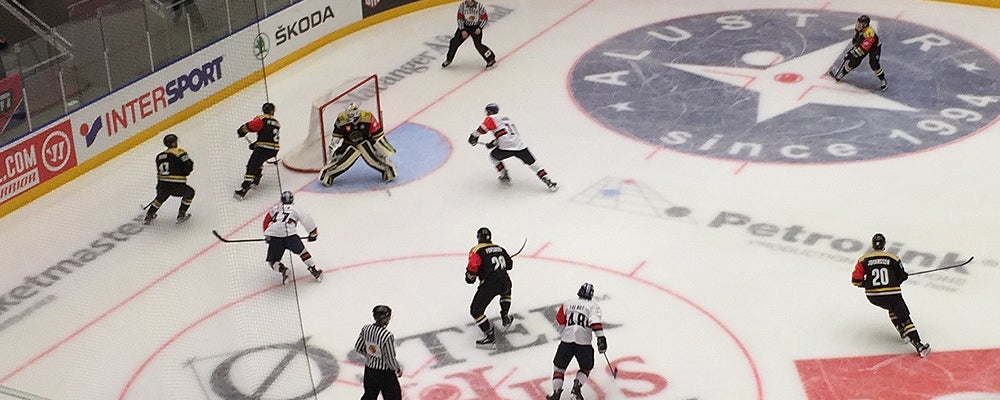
{"x":491,"y":64}
{"x":240,"y":194}
{"x":316,"y":273}
{"x":285,"y":277}
{"x":149,"y":219}
{"x":488,"y":341}
{"x":923,"y":349}
{"x":885,"y":85}
{"x":183,"y":217}
{"x":548,"y":182}
{"x":555,"y":395}
{"x":575,"y":392}
{"x":507,"y":321}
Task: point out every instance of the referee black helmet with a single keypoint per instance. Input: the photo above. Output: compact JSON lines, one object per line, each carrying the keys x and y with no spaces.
{"x":381,"y":313}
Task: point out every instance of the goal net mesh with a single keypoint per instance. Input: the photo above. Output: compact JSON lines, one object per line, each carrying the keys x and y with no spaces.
{"x":314,"y":152}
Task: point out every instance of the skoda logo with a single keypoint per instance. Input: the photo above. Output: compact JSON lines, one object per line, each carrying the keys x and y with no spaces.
{"x":261,"y":46}
{"x":752,"y":85}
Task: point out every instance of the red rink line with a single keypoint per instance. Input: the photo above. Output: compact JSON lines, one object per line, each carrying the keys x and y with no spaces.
{"x":133,"y":296}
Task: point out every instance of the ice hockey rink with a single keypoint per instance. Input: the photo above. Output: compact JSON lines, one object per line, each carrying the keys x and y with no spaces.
{"x":716,"y":187}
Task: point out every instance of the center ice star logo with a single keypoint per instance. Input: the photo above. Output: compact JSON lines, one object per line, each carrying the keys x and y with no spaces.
{"x":751,"y":85}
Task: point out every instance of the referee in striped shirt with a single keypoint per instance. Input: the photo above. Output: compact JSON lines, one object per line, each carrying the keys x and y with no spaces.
{"x":472,"y":18}
{"x":382,"y":371}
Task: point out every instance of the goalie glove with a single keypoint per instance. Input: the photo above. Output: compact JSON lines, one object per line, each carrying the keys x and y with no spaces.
{"x":473,"y":139}
{"x":602,"y":344}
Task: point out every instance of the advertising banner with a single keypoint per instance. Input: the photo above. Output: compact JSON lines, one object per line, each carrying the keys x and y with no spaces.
{"x":10,"y":98}
{"x":35,"y":159}
{"x":372,"y":7}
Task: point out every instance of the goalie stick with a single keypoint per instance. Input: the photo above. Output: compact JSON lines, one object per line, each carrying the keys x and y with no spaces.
{"x":224,"y":240}
{"x":942,"y":268}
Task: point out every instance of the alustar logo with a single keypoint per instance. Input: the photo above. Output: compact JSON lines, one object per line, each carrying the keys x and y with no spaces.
{"x":752,"y":85}
{"x":153,"y":101}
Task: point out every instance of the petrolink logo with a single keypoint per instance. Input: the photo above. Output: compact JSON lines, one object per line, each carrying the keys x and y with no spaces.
{"x":631,"y":196}
{"x":752,"y":85}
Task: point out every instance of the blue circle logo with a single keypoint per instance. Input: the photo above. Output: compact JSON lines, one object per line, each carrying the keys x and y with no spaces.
{"x":752,"y":85}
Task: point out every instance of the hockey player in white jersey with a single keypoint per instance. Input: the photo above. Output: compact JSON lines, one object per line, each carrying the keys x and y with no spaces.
{"x":280,"y":233}
{"x":581,"y":320}
{"x":507,"y":143}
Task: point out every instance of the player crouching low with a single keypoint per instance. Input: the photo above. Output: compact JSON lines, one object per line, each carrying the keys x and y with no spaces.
{"x":357,"y":133}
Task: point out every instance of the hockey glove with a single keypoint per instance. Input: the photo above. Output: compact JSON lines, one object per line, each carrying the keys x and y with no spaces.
{"x":473,"y":140}
{"x":312,"y":238}
{"x":241,"y":132}
{"x":903,"y":276}
{"x":602,"y":344}
{"x":491,"y":144}
{"x":470,"y":278}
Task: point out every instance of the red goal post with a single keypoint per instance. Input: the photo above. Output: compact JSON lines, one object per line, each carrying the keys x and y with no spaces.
{"x":313,"y":153}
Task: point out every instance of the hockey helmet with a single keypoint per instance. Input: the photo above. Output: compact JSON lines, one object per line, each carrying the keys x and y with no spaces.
{"x":267,"y":108}
{"x":492,"y":108}
{"x":381,"y":313}
{"x":586,"y":291}
{"x":287,"y":197}
{"x":352,"y":112}
{"x":878,"y":241}
{"x":484,"y":235}
{"x":170,"y":140}
{"x":864,"y":19}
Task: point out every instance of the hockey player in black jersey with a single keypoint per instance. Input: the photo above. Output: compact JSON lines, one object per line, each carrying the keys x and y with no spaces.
{"x":881,"y":273}
{"x":173,"y":166}
{"x":489,"y":263}
{"x":264,"y":148}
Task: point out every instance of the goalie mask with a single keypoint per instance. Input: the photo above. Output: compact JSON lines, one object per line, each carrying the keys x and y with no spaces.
{"x":352,"y":112}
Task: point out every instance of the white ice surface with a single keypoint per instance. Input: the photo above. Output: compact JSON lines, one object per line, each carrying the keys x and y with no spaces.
{"x":716,"y":314}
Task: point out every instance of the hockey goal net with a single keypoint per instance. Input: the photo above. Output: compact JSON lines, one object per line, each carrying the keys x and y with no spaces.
{"x":314,"y":152}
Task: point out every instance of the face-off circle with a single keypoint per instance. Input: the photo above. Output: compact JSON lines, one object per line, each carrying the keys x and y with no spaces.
{"x":752,"y":85}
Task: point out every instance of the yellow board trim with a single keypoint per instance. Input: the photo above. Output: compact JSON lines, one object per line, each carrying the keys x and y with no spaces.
{"x":137,"y":139}
{"x":981,"y":3}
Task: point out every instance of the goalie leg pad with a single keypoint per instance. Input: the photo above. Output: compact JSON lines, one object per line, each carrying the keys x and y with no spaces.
{"x":339,"y":165}
{"x":377,"y":160}
{"x":386,"y":147}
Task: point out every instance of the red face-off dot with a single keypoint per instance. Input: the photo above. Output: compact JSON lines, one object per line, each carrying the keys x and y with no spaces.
{"x":788,"y":77}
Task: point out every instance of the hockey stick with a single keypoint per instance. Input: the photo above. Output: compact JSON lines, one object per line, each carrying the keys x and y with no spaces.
{"x":942,"y":268}
{"x":216,"y":233}
{"x":614,"y":371}
{"x":521,"y":249}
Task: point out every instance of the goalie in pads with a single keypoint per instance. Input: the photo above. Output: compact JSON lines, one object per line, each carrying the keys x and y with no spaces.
{"x":357,"y":133}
